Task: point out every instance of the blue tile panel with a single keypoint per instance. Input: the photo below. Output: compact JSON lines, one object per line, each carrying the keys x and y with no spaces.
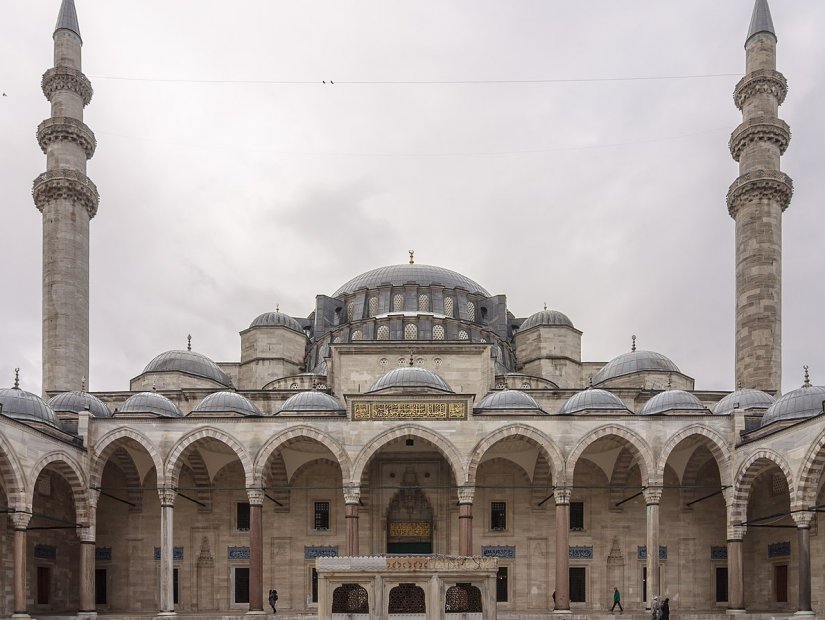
{"x":582,"y":552}
{"x":641,"y":552}
{"x":779,"y":550}
{"x":498,"y":552}
{"x":719,"y":553}
{"x":237,"y":553}
{"x":310,"y":553}
{"x":177,"y":554}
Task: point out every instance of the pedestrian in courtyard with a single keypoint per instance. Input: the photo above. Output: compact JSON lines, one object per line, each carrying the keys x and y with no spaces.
{"x":273,"y":598}
{"x":665,"y":609}
{"x":655,"y":609}
{"x":617,"y":600}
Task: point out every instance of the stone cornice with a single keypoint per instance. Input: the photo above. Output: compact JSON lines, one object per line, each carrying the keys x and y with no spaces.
{"x":256,"y":497}
{"x":760,"y":184}
{"x":763,"y":81}
{"x":67,"y":78}
{"x":68,"y":184}
{"x":772,"y":130}
{"x":66,"y":128}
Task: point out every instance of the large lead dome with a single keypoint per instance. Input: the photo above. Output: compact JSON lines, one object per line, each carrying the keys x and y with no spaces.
{"x":399,"y":275}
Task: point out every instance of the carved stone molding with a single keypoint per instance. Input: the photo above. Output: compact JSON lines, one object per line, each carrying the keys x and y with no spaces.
{"x":67,"y":78}
{"x":68,"y":129}
{"x":562,"y":495}
{"x":763,"y":81}
{"x":86,"y":534}
{"x":68,"y":184}
{"x":736,"y":532}
{"x":167,"y":496}
{"x":758,"y":185}
{"x":256,"y":497}
{"x":653,"y":495}
{"x":771,"y":130}
{"x":466,"y":495}
{"x":20,"y":520}
{"x":803,"y":519}
{"x":352,"y":494}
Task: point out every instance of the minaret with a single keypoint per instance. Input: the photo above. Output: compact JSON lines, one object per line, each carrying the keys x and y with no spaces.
{"x":756,"y":201}
{"x":68,"y":201}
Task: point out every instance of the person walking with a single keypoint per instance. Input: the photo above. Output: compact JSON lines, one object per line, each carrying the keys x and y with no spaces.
{"x":273,"y":598}
{"x":617,"y":600}
{"x":655,"y":609}
{"x":665,"y":610}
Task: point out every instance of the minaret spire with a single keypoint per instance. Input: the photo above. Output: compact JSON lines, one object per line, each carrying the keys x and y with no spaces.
{"x":756,"y":201}
{"x":68,"y":200}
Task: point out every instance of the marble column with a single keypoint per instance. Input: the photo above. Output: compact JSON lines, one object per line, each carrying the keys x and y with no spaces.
{"x":352,"y":503}
{"x":803,"y":525}
{"x":653,"y":496}
{"x":20,"y":521}
{"x":562,"y":496}
{"x":256,"y":550}
{"x":465,"y":520}
{"x":167,"y":547}
{"x":736,"y":575}
{"x":87,"y":572}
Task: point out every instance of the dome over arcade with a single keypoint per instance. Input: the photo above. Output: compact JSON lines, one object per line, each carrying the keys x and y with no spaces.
{"x":552,"y":318}
{"x":188,"y":362}
{"x":633,"y":362}
{"x":672,"y":400}
{"x":805,"y":402}
{"x":593,"y":399}
{"x":411,"y":377}
{"x":311,"y":401}
{"x":26,"y":407}
{"x":276,"y":319}
{"x":409,"y":273}
{"x":75,"y":402}
{"x":221,"y":402}
{"x":743,"y":399}
{"x":508,"y":399}
{"x":151,"y":402}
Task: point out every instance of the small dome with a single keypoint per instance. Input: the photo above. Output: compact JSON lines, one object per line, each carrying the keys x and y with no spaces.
{"x":75,"y":402}
{"x":743,"y":399}
{"x":227,"y":401}
{"x":592,"y":399}
{"x":546,"y":317}
{"x":411,"y":377}
{"x":190,"y":363}
{"x":399,"y":275}
{"x":508,"y":399}
{"x":311,"y":401}
{"x":672,"y":400}
{"x":151,"y":402}
{"x":802,"y":403}
{"x":635,"y":361}
{"x":26,"y":407}
{"x":275,"y":319}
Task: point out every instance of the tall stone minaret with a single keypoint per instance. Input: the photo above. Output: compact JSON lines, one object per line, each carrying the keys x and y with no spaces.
{"x":68,"y":201}
{"x":756,"y":201}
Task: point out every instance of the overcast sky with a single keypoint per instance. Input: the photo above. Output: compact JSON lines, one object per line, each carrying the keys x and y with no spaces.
{"x":603,"y":198}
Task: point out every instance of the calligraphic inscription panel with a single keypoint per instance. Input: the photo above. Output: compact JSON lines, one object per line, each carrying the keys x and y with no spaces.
{"x":409,"y":411}
{"x":405,"y":529}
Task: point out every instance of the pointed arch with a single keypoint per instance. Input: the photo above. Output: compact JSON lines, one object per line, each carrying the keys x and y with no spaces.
{"x":71,"y":471}
{"x":634,"y":441}
{"x":545,"y":444}
{"x":174,"y":463}
{"x":14,"y":480}
{"x":309,"y":465}
{"x":810,"y":474}
{"x":712,"y":440}
{"x":107,"y":444}
{"x":441,"y":443}
{"x":279,"y":440}
{"x":756,"y":464}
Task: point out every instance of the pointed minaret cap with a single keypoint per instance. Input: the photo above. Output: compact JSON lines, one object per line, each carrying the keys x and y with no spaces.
{"x":761,"y":20}
{"x":67,"y":18}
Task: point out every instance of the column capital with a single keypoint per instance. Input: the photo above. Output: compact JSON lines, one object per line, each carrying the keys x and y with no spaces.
{"x":562,"y":495}
{"x":256,"y":497}
{"x":352,"y":494}
{"x":20,"y":520}
{"x":466,"y":494}
{"x":93,"y":496}
{"x":736,"y":532}
{"x":653,"y":495}
{"x":803,"y":519}
{"x":167,"y":496}
{"x":86,"y":534}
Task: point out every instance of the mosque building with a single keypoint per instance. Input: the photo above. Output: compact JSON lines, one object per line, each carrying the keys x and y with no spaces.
{"x":411,"y":448}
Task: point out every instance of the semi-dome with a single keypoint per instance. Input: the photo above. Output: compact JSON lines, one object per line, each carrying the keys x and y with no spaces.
{"x":743,"y":399}
{"x":552,"y":318}
{"x":151,"y":402}
{"x":592,"y":399}
{"x":26,"y":407}
{"x":411,"y":377}
{"x":191,"y":363}
{"x":221,"y":402}
{"x":635,"y":361}
{"x":311,"y":401}
{"x":276,"y":319}
{"x":399,"y":275}
{"x":672,"y":400}
{"x":75,"y":402}
{"x":805,"y":402}
{"x":508,"y":399}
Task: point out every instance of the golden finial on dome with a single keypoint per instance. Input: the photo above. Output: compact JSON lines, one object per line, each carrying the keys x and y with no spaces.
{"x":412,"y":256}
{"x":633,"y":346}
{"x":807,"y":377}
{"x":16,"y":378}
{"x":189,"y":342}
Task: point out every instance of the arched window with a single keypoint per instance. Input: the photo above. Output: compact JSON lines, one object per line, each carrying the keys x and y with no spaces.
{"x":463,"y":598}
{"x":383,"y":333}
{"x":438,"y":332}
{"x":410,"y":331}
{"x":448,"y":306}
{"x":471,"y":311}
{"x":407,"y":598}
{"x":357,"y":335}
{"x":463,"y":335}
{"x":398,"y":303}
{"x":350,"y":598}
{"x":373,"y":306}
{"x":423,"y":303}
{"x":336,"y":340}
{"x":350,"y":311}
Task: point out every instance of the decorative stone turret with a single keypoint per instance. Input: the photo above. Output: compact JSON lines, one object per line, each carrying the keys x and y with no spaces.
{"x":756,"y":201}
{"x":68,"y":201}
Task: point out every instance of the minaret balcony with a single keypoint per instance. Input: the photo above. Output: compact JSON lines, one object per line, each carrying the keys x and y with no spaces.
{"x":67,"y":78}
{"x":764,"y":129}
{"x":66,"y":129}
{"x":67,"y":184}
{"x":760,"y":185}
{"x":763,"y":81}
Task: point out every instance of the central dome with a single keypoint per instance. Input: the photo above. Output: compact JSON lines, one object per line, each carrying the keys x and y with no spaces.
{"x":399,"y":275}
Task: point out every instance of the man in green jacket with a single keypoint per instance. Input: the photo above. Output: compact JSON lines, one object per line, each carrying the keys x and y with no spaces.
{"x":617,"y":600}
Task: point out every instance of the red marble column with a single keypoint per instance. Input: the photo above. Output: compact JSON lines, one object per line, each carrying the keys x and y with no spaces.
{"x":562,"y":496}
{"x":803,"y":524}
{"x":352,"y":502}
{"x":736,"y":577}
{"x":87,"y":570}
{"x":653,"y":495}
{"x":167,"y":585}
{"x":465,"y":520}
{"x":20,"y":520}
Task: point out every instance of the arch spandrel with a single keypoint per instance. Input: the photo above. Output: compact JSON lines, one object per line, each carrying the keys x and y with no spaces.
{"x":748,"y":471}
{"x":300,"y":432}
{"x":441,"y":443}
{"x":14,"y":481}
{"x":810,"y":474}
{"x":107,"y":444}
{"x":72,"y":472}
{"x":545,"y":444}
{"x":174,"y":463}
{"x":712,"y":440}
{"x":633,"y":440}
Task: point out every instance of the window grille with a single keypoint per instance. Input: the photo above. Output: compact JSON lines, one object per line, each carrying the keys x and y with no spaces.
{"x":242,"y":516}
{"x":424,"y":303}
{"x":498,"y":516}
{"x":410,"y":332}
{"x":350,"y":311}
{"x":322,"y":516}
{"x":471,"y":311}
{"x":577,"y":516}
{"x":357,"y":335}
{"x":463,"y":335}
{"x":373,"y":306}
{"x":350,"y":598}
{"x":407,"y":598}
{"x":448,"y":306}
{"x":438,"y":332}
{"x":383,"y":332}
{"x":398,"y":303}
{"x":463,"y":598}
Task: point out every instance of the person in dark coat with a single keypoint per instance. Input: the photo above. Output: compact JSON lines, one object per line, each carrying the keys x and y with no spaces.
{"x":273,"y":598}
{"x":665,"y":615}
